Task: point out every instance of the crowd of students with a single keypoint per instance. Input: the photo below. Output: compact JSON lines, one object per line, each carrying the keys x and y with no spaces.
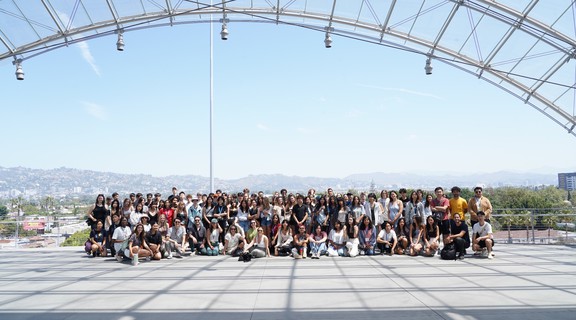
{"x":285,"y":224}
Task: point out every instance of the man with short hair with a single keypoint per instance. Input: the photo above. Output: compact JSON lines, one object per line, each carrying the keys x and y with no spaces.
{"x":459,"y":235}
{"x":441,"y":210}
{"x":457,"y":204}
{"x":479,"y":203}
{"x":482,"y":236}
{"x":196,"y":236}
{"x":299,"y":214}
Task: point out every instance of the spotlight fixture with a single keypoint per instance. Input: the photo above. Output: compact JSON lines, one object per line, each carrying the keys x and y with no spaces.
{"x":328,"y":41}
{"x":428,"y":68}
{"x":224,"y":32}
{"x":120,"y":42}
{"x":19,"y":73}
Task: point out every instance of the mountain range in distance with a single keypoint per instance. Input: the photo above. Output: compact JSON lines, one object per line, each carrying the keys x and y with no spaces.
{"x":65,"y":181}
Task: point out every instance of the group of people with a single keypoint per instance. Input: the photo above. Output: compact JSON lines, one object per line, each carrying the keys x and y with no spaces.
{"x":285,"y":224}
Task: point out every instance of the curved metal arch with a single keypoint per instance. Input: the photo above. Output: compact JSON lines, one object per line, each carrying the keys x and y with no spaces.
{"x":348,"y":27}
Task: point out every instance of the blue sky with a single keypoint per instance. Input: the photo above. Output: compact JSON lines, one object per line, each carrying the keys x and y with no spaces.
{"x":283,"y":104}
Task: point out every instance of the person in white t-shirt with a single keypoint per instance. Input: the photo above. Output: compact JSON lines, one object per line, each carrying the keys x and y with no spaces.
{"x":482,"y":236}
{"x":233,"y":242}
{"x":387,"y":240}
{"x":120,"y":238}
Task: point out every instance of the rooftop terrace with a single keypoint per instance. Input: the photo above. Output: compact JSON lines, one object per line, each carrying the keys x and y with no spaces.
{"x":522,"y":282}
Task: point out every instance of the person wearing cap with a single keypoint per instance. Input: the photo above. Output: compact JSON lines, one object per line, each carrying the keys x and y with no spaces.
{"x":212,"y":241}
{"x":479,"y":203}
{"x":195,"y":210}
{"x":144,"y":219}
{"x":482,"y":236}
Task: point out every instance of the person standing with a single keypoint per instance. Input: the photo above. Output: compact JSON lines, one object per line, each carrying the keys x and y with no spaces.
{"x":441,"y":210}
{"x":479,"y":203}
{"x":457,"y":204}
{"x":299,"y":214}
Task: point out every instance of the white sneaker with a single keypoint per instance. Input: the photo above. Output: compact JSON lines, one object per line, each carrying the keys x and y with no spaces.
{"x":169,"y":256}
{"x":490,"y":256}
{"x":484,"y":252}
{"x":119,"y":258}
{"x":148,"y":258}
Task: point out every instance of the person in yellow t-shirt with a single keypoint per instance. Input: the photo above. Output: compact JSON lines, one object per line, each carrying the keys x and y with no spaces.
{"x":457,"y":204}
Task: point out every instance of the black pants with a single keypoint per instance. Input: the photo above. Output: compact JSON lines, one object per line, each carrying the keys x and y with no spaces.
{"x":461,"y":245}
{"x":385,"y":249}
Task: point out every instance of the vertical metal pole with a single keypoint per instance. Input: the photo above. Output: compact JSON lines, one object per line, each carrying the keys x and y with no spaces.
{"x":211,"y":102}
{"x":17,"y":225}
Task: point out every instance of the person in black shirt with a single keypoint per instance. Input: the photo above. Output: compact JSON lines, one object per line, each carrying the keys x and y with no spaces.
{"x":154,"y":239}
{"x":459,"y":235}
{"x":196,"y":236}
{"x":299,"y":214}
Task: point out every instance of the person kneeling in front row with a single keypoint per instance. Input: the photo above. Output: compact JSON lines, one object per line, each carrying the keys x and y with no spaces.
{"x":459,"y":235}
{"x":482,"y":233}
{"x":387,"y":240}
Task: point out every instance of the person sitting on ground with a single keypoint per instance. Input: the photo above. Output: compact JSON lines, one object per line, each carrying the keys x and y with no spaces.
{"x":403,"y":235}
{"x":387,"y":240}
{"x":212,"y":242}
{"x":482,"y":236}
{"x":137,"y":246}
{"x":284,"y":240}
{"x":431,"y":236}
{"x":96,"y":245}
{"x":367,"y":236}
{"x":120,"y":238}
{"x":196,"y":236}
{"x":317,"y":242}
{"x":352,"y":242}
{"x":252,"y":231}
{"x":459,"y":235}
{"x":233,"y":242}
{"x":175,"y":239}
{"x":336,"y":245}
{"x":259,"y":245}
{"x":300,"y":249}
{"x":155,"y":241}
{"x":416,"y":234}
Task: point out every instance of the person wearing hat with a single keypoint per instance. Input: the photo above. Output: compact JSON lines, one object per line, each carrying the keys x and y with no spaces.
{"x":144,"y":220}
{"x":479,"y":203}
{"x":213,"y":238}
{"x":195,"y":210}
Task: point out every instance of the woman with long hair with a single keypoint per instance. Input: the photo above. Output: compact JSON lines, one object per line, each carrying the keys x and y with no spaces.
{"x":395,"y":208}
{"x":98,"y":211}
{"x":367,"y":236}
{"x":259,"y":245}
{"x":413,"y":208}
{"x":431,"y":236}
{"x":137,"y":245}
{"x":208,"y":212}
{"x":336,"y":240}
{"x":416,"y":232}
{"x":352,"y":242}
{"x":243,"y":211}
{"x":168,"y":211}
{"x":402,"y":234}
{"x":283,"y":240}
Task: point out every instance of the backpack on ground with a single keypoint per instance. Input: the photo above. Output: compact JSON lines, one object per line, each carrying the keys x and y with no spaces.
{"x":448,"y":252}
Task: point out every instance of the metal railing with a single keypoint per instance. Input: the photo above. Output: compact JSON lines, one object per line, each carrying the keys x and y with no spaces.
{"x":534,"y":225}
{"x":510,"y":225}
{"x":38,"y":232}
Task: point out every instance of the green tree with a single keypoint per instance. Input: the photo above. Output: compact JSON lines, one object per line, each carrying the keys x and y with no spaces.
{"x":3,"y":212}
{"x":77,"y":239}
